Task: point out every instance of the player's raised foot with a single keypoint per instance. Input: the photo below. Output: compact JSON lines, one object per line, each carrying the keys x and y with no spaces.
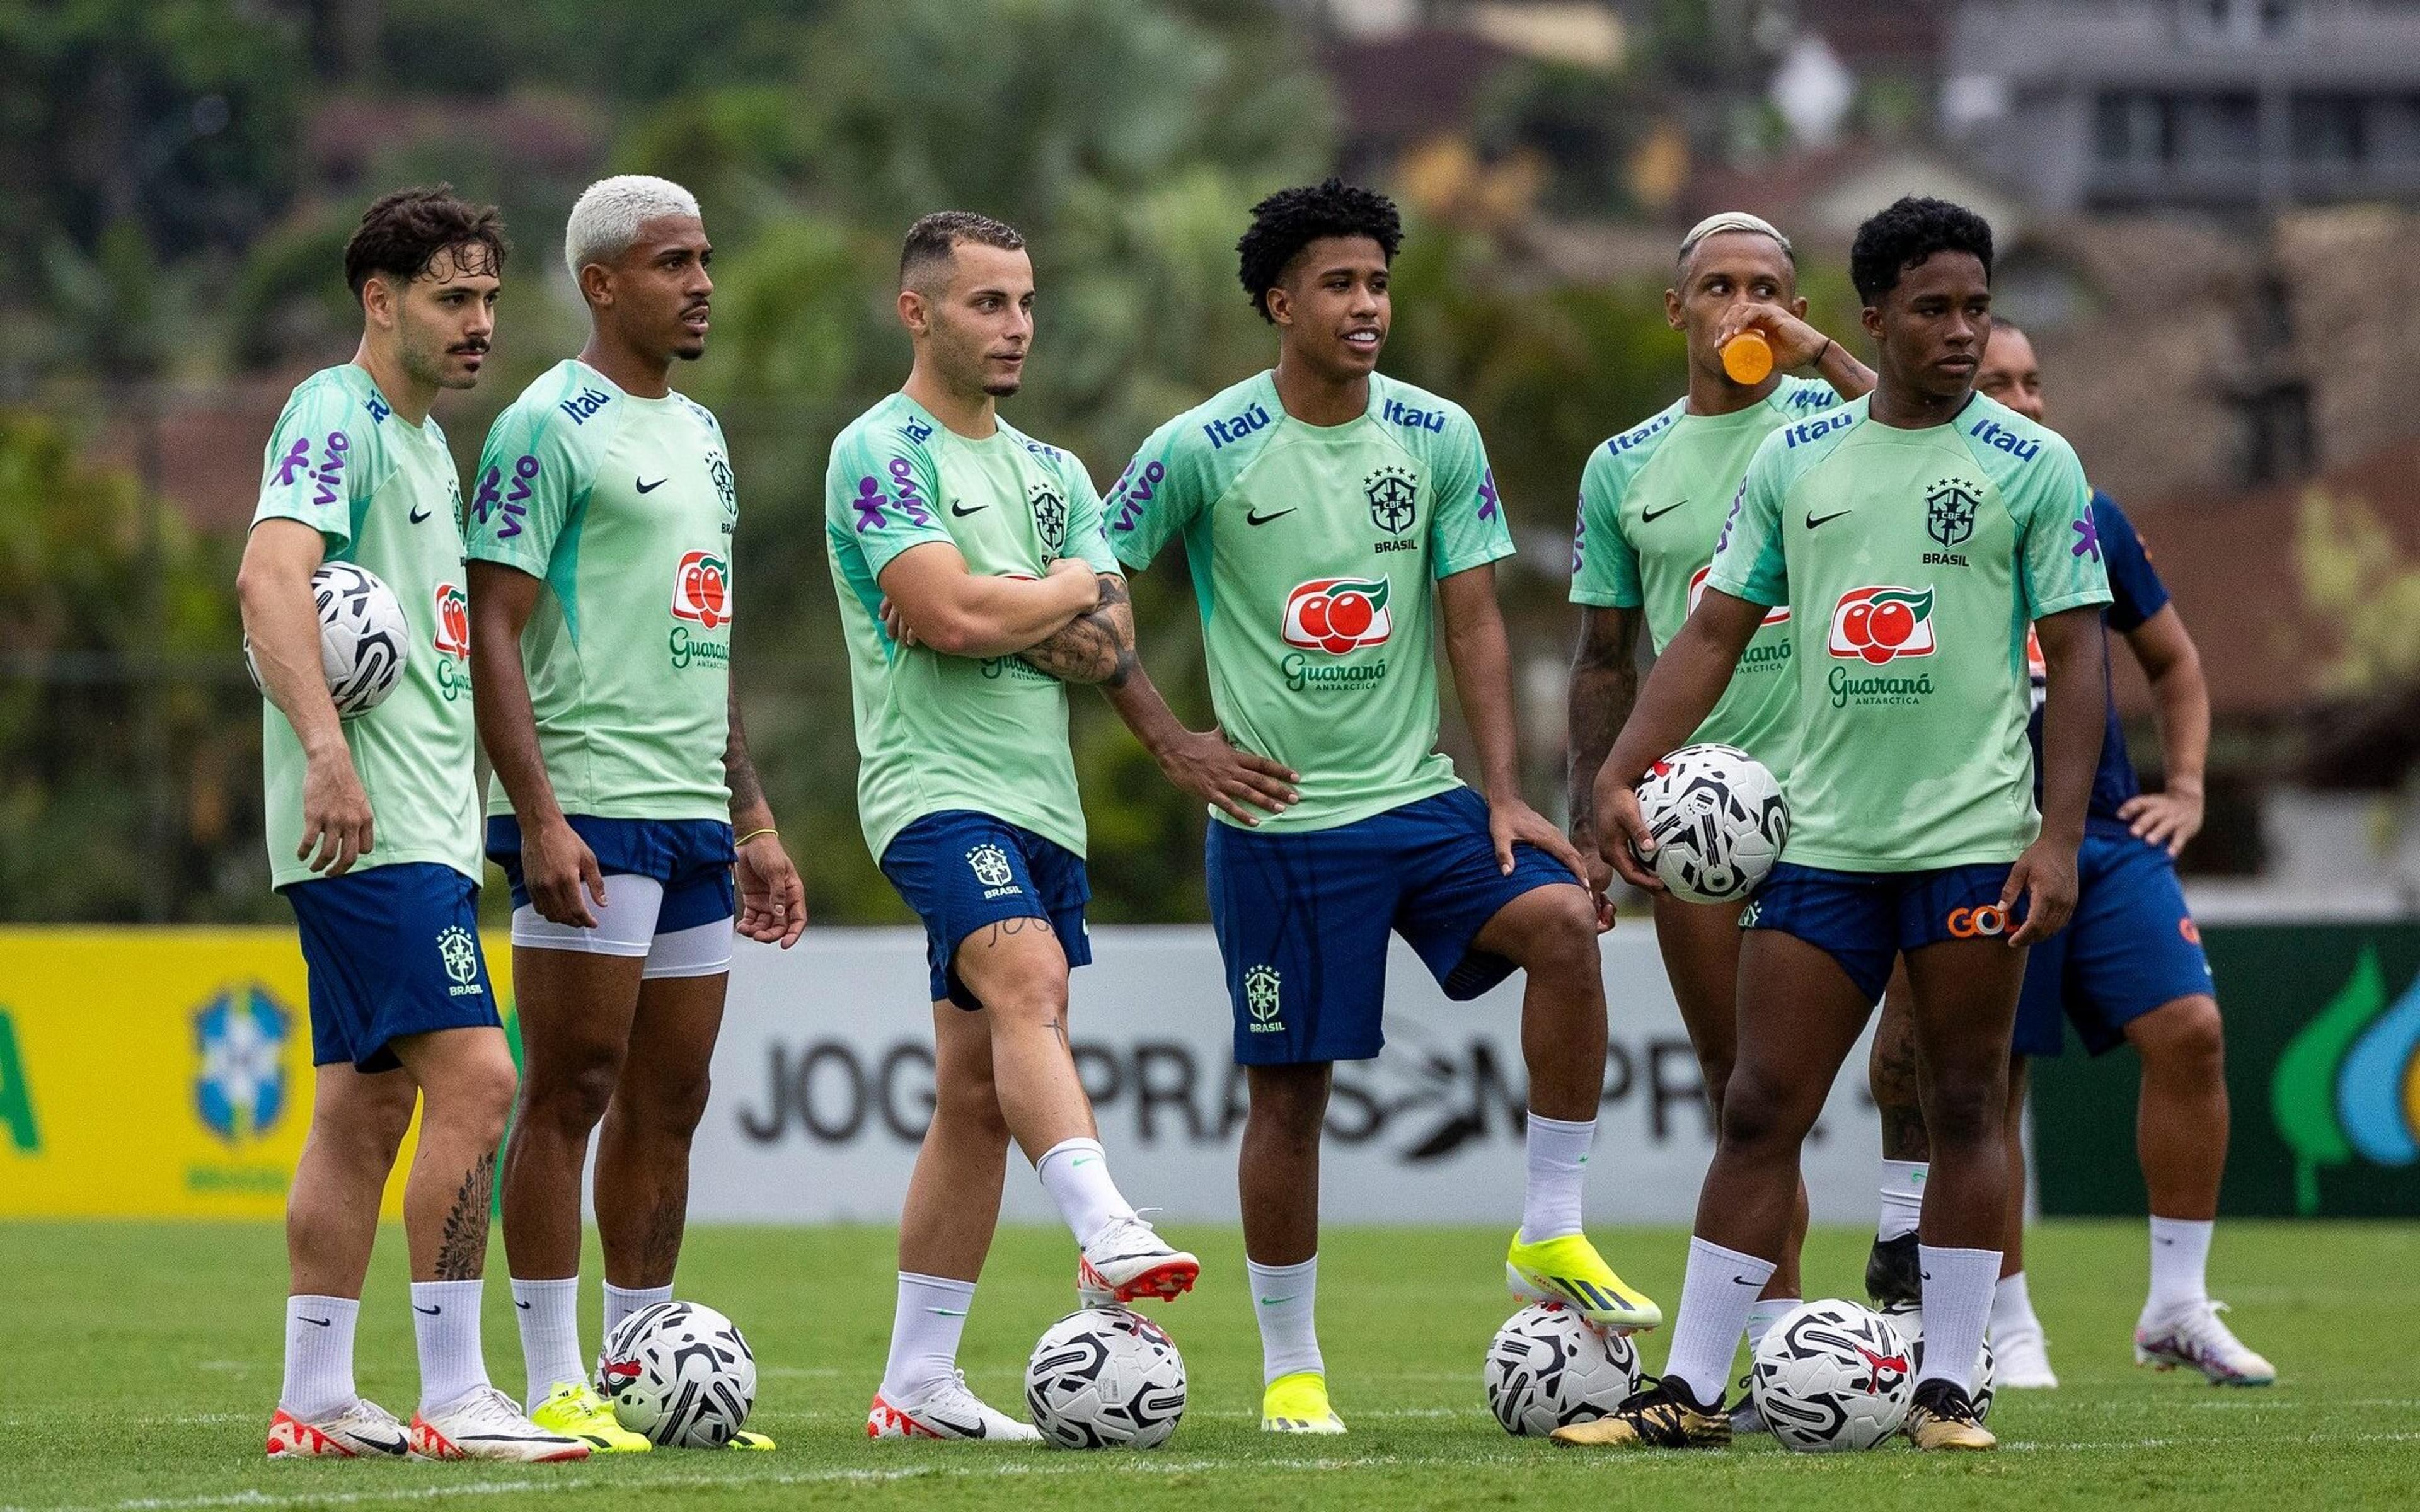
{"x":945,"y":1410}
{"x":745,"y":1439}
{"x":574,"y":1409}
{"x":2023,"y":1356}
{"x":483,"y":1424}
{"x":1941,"y":1417}
{"x":360,"y":1429}
{"x":1570,"y":1271}
{"x":1127,"y":1259}
{"x":1662,"y":1416}
{"x":1299,"y":1404}
{"x":2195,"y":1336}
{"x":1895,"y":1273}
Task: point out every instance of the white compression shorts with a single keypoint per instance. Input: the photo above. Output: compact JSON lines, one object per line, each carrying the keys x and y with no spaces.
{"x":626,"y":926}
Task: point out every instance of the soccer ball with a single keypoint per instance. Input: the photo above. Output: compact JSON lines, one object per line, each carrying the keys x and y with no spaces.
{"x":1548,"y":1368}
{"x":364,"y":638}
{"x":1718,"y":820}
{"x":1832,"y":1375}
{"x":680,"y":1374}
{"x":1910,"y":1323}
{"x":1106,"y":1378}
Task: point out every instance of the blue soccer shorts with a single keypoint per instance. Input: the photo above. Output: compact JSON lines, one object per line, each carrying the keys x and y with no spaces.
{"x":2131,"y":947}
{"x":1865,"y":919}
{"x":963,"y":872}
{"x":392,"y":952}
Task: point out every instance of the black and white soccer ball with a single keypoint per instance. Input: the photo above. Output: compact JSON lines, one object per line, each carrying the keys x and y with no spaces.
{"x":1832,"y":1375}
{"x":1718,"y":820}
{"x":1106,"y":1378}
{"x":680,"y":1374}
{"x":1548,"y":1368}
{"x":364,"y":638}
{"x":1910,"y":1323}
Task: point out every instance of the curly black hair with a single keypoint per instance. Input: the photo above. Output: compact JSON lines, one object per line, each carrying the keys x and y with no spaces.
{"x":1293,"y":219}
{"x":1904,"y":234}
{"x":402,"y":232}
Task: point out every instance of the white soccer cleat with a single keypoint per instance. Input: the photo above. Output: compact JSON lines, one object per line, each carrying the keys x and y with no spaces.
{"x":362,"y":1429}
{"x":2194,"y":1337}
{"x":483,"y":1424}
{"x":947,"y":1409}
{"x":1126,"y":1260}
{"x":2023,"y":1360}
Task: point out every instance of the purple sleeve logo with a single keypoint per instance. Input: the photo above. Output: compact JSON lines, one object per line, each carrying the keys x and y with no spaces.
{"x":869,"y":500}
{"x":1487,"y":501}
{"x":330,"y":476}
{"x":1579,"y":542}
{"x":296,"y":458}
{"x":2088,"y":531}
{"x":1739,"y":500}
{"x":903,"y":476}
{"x":525,"y":471}
{"x":1132,"y":491}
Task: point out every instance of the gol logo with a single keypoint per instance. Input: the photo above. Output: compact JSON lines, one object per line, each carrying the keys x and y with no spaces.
{"x":1972,"y":924}
{"x":702,"y":590}
{"x":1882,"y":624}
{"x":1778,"y":614}
{"x":453,"y":621}
{"x":1337,"y":614}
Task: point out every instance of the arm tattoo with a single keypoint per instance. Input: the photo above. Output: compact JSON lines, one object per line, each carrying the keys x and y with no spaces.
{"x":739,"y":772}
{"x":1095,"y":647}
{"x":462,"y":1248}
{"x":1604,"y":684}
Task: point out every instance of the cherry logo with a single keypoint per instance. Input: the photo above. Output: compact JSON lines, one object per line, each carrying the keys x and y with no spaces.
{"x":1337,"y":614}
{"x":453,"y":636}
{"x":702,"y":590}
{"x":1778,"y":614}
{"x":1882,"y":624}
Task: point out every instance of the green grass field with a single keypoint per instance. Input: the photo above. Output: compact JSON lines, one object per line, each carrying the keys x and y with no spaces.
{"x":143,"y":1363}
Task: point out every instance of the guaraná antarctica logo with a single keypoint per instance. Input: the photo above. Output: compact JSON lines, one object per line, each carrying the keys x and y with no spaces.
{"x":239,"y":1039}
{"x":2348,"y":1085}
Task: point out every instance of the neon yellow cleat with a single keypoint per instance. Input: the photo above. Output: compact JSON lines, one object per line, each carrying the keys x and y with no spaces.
{"x":1570,"y":1271}
{"x":574,"y":1409}
{"x":745,"y":1439}
{"x":1299,"y":1404}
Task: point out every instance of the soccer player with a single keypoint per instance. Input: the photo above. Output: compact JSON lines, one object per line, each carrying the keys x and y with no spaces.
{"x":1652,"y":500}
{"x":1913,"y":532}
{"x":2129,"y":970}
{"x":973,"y":582}
{"x":1319,"y":503}
{"x":373,"y":838}
{"x":600,"y":633}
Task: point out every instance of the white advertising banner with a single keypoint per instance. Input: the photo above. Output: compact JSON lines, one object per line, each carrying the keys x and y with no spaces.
{"x":823,"y":1084}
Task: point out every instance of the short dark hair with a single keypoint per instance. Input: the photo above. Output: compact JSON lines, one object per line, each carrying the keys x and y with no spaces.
{"x":1910,"y":230}
{"x":933,"y":238}
{"x":1293,"y":219}
{"x":403,"y":232}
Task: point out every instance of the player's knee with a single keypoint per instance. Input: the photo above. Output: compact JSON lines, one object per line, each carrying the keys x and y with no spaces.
{"x":1287,"y":1109}
{"x":1965,"y":1112}
{"x":1762,"y":1118}
{"x":1560,"y":942}
{"x":670,"y":1103}
{"x":1717,"y":1074}
{"x":572,"y":1096}
{"x":367,"y":1134}
{"x":476,"y":1100}
{"x":2185,"y":1037}
{"x":970,"y":1106}
{"x":1029,"y":1005}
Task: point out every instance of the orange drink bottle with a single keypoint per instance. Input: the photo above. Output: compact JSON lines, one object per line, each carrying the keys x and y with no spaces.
{"x":1747,"y":356}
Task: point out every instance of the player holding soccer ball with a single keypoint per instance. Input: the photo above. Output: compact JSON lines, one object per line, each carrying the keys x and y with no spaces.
{"x":600,"y":630}
{"x":1652,"y":501}
{"x":1913,"y":532}
{"x":1332,"y":517}
{"x":374,"y":837}
{"x":973,"y":584}
{"x":2129,"y":970}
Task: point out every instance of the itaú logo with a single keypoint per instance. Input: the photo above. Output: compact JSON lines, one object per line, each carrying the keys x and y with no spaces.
{"x":1337,"y":614}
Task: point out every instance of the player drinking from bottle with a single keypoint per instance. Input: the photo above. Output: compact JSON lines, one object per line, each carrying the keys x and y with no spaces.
{"x":600,"y":631}
{"x":374,"y":837}
{"x":1914,"y":533}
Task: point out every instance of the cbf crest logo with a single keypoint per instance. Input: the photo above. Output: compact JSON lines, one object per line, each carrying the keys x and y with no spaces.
{"x":460,"y":955}
{"x":726,"y":488}
{"x":1049,"y":516}
{"x":1394,"y":495}
{"x":1262,"y":998}
{"x":1950,"y":513}
{"x":239,"y":1039}
{"x":989,"y":864}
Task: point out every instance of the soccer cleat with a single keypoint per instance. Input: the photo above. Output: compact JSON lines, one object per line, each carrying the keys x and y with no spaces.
{"x":1299,"y":1404}
{"x":483,"y":1424}
{"x":1570,"y":1270}
{"x":946,"y":1409}
{"x":362,"y":1429}
{"x":1662,"y":1416}
{"x":2195,"y":1336}
{"x":1941,"y":1417}
{"x":745,"y":1439}
{"x":1127,"y":1260}
{"x":574,"y":1409}
{"x":1746,"y":1421}
{"x":2023,"y":1360}
{"x":1895,"y":1273}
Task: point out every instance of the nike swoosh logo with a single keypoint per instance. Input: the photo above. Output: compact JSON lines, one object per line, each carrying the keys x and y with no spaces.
{"x":1252,"y":518}
{"x":429,"y":1311}
{"x":1080,"y":1160}
{"x":1648,"y":516}
{"x":945,"y":1312}
{"x":962,"y":511}
{"x":1813,"y":521}
{"x":1743,"y":1281}
{"x":419,"y":514}
{"x":1272,"y":1302}
{"x":644,"y":487}
{"x":321,"y":1322}
{"x":523,"y":1305}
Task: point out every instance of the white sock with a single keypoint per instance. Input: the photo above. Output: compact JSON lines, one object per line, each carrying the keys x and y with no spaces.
{"x":1761,"y":1318}
{"x":1902,"y":1197}
{"x":2012,"y":1307}
{"x":1283,"y":1298}
{"x":620,"y":1303}
{"x":1717,"y":1293}
{"x":1076,"y":1175}
{"x":1558,"y":1153}
{"x":446,"y":1318}
{"x":1958,"y":1286}
{"x":548,"y":1313}
{"x":2179,"y":1264}
{"x":318,"y":1355}
{"x":926,"y":1326}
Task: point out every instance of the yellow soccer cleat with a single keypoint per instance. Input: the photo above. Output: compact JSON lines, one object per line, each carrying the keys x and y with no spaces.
{"x":1941,"y":1418}
{"x":1299,"y":1404}
{"x":745,"y":1439}
{"x":1570,"y":1271}
{"x":574,"y":1409}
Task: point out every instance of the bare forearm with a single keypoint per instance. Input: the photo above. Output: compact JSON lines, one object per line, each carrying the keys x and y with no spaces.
{"x":749,"y":810}
{"x":1005,"y":616}
{"x":1096,"y":646}
{"x":1850,"y":378}
{"x":1601,"y":699}
{"x":1483,"y":681}
{"x":2181,"y":704}
{"x":283,"y":627}
{"x":1139,"y":705}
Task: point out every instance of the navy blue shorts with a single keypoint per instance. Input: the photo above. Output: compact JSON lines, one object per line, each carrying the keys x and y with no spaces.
{"x":691,"y":857}
{"x":2131,"y":947}
{"x":961,"y":870}
{"x":392,"y":952}
{"x":1302,"y":920}
{"x":1864,"y":920}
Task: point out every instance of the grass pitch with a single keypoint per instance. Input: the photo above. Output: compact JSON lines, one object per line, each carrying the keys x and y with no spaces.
{"x":143,"y":1364}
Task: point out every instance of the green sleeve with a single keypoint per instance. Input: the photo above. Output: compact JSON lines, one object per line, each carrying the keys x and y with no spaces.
{"x":1604,"y":569}
{"x":1467,"y":527}
{"x":1088,"y":532}
{"x":533,"y":475}
{"x":1749,"y":561}
{"x":323,"y":462}
{"x":2060,"y":560}
{"x":1159,"y":494}
{"x":878,"y":495}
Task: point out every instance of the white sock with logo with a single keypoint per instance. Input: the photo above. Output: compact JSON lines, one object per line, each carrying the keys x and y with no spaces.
{"x":1283,"y":1298}
{"x":1958,"y":1284}
{"x":318,"y":1355}
{"x":2012,"y":1307}
{"x":1902,"y":1197}
{"x":621,"y":1302}
{"x":1558,"y":1153}
{"x":1717,"y":1294}
{"x":445,"y":1319}
{"x":1761,"y":1318}
{"x":1076,"y":1175}
{"x":2179,"y":1265}
{"x":549,"y":1315}
{"x":926,"y":1326}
